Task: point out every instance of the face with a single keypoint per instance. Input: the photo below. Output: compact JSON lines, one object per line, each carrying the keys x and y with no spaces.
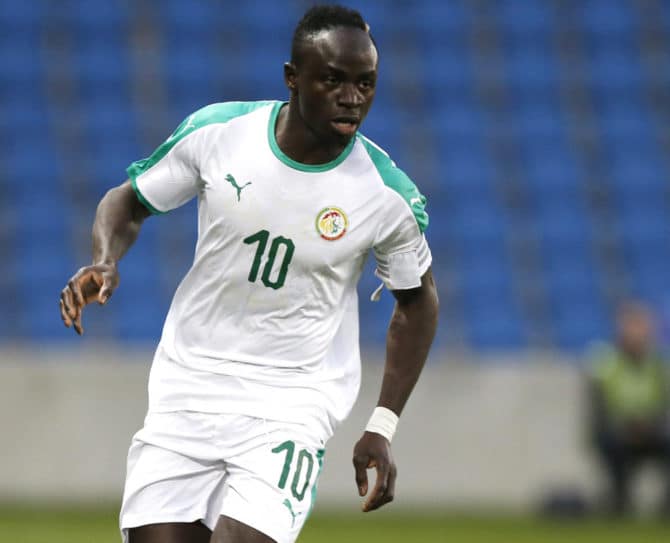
{"x":636,"y":330}
{"x":334,"y":82}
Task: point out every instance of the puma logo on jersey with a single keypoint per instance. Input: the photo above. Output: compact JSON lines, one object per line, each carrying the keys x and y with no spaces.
{"x":290,"y":510}
{"x":232,"y":181}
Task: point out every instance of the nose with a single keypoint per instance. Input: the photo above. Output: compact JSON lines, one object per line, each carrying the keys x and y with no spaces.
{"x":350,"y":96}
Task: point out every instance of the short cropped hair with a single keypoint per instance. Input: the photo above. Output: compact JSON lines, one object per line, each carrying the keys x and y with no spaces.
{"x":324,"y":17}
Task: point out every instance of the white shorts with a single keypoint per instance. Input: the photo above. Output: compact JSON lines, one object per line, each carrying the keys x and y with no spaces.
{"x":187,"y":466}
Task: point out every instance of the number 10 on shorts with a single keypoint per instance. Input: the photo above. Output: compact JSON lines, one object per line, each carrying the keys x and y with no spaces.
{"x":302,"y":471}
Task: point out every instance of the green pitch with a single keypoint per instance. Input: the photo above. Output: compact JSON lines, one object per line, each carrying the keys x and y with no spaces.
{"x":40,"y":526}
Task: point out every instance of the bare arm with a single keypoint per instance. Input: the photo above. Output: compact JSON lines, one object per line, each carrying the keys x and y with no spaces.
{"x":117,"y":223}
{"x":408,"y":341}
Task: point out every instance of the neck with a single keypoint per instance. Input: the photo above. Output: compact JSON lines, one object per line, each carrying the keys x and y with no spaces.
{"x":634,"y":354}
{"x":299,"y":142}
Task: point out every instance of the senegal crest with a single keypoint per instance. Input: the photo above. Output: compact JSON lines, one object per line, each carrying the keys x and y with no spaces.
{"x":331,"y":223}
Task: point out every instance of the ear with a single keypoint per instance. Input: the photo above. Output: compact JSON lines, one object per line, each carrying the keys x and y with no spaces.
{"x":291,"y":76}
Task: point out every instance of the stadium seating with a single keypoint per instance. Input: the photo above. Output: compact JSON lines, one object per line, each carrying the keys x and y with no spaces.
{"x":543,"y":157}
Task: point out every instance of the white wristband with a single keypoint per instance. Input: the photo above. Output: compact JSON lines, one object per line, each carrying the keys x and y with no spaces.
{"x":383,"y":422}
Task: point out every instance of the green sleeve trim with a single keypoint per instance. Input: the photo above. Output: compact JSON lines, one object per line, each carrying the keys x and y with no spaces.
{"x":311,"y":168}
{"x":143,"y":200}
{"x":214,"y":113}
{"x":397,"y":180}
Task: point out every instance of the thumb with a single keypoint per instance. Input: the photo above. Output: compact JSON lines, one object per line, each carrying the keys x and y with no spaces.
{"x":105,"y":291}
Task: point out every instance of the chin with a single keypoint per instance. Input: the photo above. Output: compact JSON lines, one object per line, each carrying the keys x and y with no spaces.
{"x":342,"y":139}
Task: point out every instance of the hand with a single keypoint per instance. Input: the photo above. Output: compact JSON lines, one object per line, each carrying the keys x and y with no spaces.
{"x":374,"y":451}
{"x":89,"y":284}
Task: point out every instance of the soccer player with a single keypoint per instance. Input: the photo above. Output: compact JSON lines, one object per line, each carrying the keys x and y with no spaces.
{"x":259,"y":360}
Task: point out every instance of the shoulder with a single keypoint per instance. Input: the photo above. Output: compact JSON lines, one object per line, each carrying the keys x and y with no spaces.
{"x":223,"y":112}
{"x":603,"y":360}
{"x":213,"y":115}
{"x":396,"y":180}
{"x":219,"y":113}
{"x":185,"y":136}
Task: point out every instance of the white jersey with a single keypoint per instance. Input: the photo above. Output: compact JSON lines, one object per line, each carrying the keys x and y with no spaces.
{"x":265,"y":322}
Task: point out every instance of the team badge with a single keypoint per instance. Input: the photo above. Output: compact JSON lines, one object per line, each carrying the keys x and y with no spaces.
{"x":331,"y":223}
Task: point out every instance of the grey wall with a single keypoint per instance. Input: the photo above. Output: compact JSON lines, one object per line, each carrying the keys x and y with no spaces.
{"x":485,"y":434}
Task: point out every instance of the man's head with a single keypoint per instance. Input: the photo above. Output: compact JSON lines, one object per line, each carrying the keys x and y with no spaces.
{"x":635,"y":330}
{"x":332,"y":72}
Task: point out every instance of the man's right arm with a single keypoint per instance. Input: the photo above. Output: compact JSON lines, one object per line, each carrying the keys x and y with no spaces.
{"x":118,"y":219}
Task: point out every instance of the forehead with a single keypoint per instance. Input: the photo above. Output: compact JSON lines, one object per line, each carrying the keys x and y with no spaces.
{"x":347,"y":49}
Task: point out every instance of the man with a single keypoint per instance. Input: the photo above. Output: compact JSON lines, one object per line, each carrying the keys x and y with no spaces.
{"x":629,"y":401}
{"x":258,"y":361}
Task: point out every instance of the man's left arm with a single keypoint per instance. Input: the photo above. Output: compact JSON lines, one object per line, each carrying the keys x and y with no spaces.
{"x":408,"y":341}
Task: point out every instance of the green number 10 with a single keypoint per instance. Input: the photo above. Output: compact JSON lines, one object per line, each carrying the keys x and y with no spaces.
{"x":305,"y":460}
{"x":261,"y":238}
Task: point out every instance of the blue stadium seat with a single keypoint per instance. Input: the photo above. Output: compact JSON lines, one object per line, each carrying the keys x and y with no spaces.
{"x":493,"y":322}
{"x":644,"y":225}
{"x":572,"y":274}
{"x":524,"y":18}
{"x":466,"y":174}
{"x":606,"y":17}
{"x":45,"y":264}
{"x":649,"y":280}
{"x":139,"y":305}
{"x":624,"y":119}
{"x":562,"y":227}
{"x":28,"y":174}
{"x":21,"y":16}
{"x":109,"y":162}
{"x":194,"y":17}
{"x":458,"y":123}
{"x":638,"y":172}
{"x":24,"y":113}
{"x":194,"y":63}
{"x":541,"y":121}
{"x":376,"y":14}
{"x":103,"y":68}
{"x":447,"y":73}
{"x":579,"y":322}
{"x":264,"y":18}
{"x":530,"y":66}
{"x":614,"y":68}
{"x":438,"y":19}
{"x":20,"y":58}
{"x":264,"y":72}
{"x":138,"y":316}
{"x":95,"y":18}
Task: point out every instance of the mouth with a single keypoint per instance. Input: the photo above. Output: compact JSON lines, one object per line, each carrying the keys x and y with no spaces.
{"x":346,"y":126}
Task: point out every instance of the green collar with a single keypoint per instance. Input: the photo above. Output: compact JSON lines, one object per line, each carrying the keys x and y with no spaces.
{"x":313,"y":168}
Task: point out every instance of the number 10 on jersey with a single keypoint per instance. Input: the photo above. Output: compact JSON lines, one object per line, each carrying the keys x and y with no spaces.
{"x":262,"y":238}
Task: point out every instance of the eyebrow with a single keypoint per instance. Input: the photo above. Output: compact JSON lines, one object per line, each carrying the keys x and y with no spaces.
{"x":339,"y":71}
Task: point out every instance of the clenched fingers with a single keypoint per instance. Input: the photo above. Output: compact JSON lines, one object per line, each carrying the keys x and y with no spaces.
{"x":64,"y":314}
{"x":360,"y":466}
{"x":68,"y":310}
{"x":73,"y":300}
{"x":384,"y":486}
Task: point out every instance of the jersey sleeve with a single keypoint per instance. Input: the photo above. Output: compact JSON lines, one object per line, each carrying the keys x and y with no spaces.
{"x":401,"y":250}
{"x":400,"y":247}
{"x":170,"y":177}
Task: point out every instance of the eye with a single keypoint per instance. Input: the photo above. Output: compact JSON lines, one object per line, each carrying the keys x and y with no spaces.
{"x":366,"y":84}
{"x":331,"y":79}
